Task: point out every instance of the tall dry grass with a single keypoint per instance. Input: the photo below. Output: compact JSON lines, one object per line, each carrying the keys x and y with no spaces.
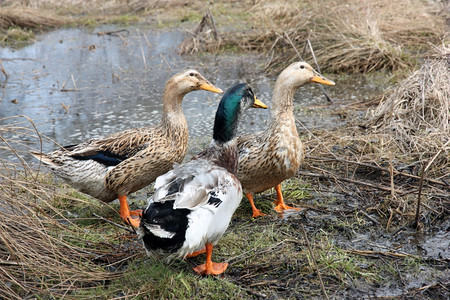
{"x":88,"y":7}
{"x":29,"y":18}
{"x":348,"y":36}
{"x":43,"y":252}
{"x":416,"y":112}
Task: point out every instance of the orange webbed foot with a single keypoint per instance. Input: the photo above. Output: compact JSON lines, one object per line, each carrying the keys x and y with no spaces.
{"x":215,"y":269}
{"x":280,"y":208}
{"x":137,"y":212}
{"x":257,"y":213}
{"x":280,"y":205}
{"x":130,"y":217}
{"x":210,"y":268}
{"x":133,"y":221}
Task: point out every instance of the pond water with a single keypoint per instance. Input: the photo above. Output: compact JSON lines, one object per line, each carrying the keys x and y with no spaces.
{"x":75,"y":84}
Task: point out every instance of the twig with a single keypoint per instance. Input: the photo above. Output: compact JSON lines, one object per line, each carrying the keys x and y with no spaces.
{"x":114,"y":32}
{"x":312,"y":134}
{"x":391,"y":175}
{"x":142,"y":52}
{"x":314,"y":262}
{"x":293,"y":46}
{"x":318,"y":69}
{"x":396,"y":172}
{"x":10,"y":263}
{"x":3,"y":69}
{"x":377,"y":253}
{"x":430,"y":286}
{"x":74,"y":83}
{"x":113,"y":223}
{"x":419,"y":198}
{"x":370,"y":218}
{"x":212,"y":25}
{"x":253,"y":292}
{"x":372,"y":185}
{"x":435,"y":156}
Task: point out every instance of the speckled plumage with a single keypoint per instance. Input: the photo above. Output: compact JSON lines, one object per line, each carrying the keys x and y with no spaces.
{"x":127,"y":161}
{"x":271,"y":156}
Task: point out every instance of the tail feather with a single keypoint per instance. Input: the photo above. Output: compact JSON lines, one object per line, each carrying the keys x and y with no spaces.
{"x":45,"y":158}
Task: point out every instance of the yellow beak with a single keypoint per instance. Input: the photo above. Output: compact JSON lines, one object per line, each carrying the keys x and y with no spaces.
{"x":211,"y":88}
{"x":322,"y":80}
{"x":259,"y":104}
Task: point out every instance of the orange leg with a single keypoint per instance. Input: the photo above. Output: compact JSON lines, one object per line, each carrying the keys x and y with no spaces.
{"x":256,"y":212}
{"x":210,"y":268}
{"x":127,"y":215}
{"x":196,"y":253}
{"x":280,"y":205}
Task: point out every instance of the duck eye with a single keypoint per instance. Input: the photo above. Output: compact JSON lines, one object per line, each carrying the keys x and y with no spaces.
{"x":302,"y":66}
{"x":191,"y":74}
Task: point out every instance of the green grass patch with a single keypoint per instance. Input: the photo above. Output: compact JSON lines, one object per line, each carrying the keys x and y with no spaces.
{"x":16,"y":37}
{"x":146,"y":277}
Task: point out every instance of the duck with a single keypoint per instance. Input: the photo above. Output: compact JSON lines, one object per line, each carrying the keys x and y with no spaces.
{"x":124,"y":162}
{"x":193,"y":203}
{"x":269,"y":157}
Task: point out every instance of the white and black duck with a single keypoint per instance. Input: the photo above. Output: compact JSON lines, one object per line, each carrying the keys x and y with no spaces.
{"x":193,"y":203}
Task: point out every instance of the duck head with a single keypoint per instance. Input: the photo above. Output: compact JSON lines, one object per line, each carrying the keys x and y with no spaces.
{"x":191,"y":80}
{"x":237,"y":99}
{"x":300,"y":73}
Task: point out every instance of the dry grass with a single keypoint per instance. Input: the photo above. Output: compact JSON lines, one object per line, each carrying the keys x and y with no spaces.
{"x":80,"y":7}
{"x":348,"y":36}
{"x":30,"y":18}
{"x":370,"y":170}
{"x":416,"y":112}
{"x":42,"y":250}
{"x":366,"y":36}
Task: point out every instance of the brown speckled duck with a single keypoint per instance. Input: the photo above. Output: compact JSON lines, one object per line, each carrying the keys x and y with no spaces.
{"x":124,"y":162}
{"x":269,"y":157}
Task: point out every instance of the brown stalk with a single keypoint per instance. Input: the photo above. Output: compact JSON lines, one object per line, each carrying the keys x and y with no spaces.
{"x":314,"y":263}
{"x":419,"y":199}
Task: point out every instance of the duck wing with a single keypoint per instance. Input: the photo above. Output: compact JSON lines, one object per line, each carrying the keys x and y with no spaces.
{"x":198,"y":183}
{"x":115,"y":148}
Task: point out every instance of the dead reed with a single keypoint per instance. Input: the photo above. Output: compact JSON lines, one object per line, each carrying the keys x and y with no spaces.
{"x":416,"y":112}
{"x":363,"y":36}
{"x":349,"y":36}
{"x":29,"y":18}
{"x":43,"y":252}
{"x":203,"y":38}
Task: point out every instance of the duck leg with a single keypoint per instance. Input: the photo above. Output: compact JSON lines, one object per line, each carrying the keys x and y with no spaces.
{"x":280,"y":205}
{"x":196,"y":253}
{"x":210,"y":268}
{"x":129,"y":217}
{"x":256,"y":212}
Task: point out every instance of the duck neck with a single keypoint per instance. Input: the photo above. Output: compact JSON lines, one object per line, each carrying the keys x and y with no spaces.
{"x":224,"y":155}
{"x":172,"y":108}
{"x":225,"y":123}
{"x":282,"y":99}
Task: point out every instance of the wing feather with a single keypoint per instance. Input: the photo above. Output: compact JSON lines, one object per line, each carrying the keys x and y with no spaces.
{"x":191,"y":185}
